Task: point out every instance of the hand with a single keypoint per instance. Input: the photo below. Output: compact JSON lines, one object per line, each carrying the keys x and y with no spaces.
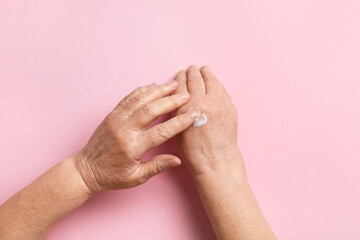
{"x":213,"y":145}
{"x":112,"y":157}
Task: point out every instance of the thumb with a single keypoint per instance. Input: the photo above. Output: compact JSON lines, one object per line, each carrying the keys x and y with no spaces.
{"x":158,"y":164}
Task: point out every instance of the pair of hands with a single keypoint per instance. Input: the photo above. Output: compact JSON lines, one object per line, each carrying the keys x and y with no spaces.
{"x":112,"y":158}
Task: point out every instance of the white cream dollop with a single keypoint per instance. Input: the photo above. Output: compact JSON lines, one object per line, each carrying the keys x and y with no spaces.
{"x":201,"y":119}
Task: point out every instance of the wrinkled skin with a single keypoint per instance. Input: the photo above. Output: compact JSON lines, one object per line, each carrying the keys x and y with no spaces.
{"x":112,"y":157}
{"x":217,"y":139}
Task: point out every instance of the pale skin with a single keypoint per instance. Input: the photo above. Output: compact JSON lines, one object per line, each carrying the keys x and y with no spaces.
{"x":112,"y":160}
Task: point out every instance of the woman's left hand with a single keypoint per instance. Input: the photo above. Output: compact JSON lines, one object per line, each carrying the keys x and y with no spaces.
{"x":112,"y":157}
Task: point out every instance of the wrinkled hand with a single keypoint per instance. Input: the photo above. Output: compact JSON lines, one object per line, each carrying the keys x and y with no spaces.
{"x":112,"y":157}
{"x":214,"y":144}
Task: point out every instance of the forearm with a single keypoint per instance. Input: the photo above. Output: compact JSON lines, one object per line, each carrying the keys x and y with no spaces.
{"x":35,"y":209}
{"x":230,"y":203}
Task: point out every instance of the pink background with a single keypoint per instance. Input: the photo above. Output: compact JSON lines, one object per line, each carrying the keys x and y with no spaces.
{"x":291,"y":67}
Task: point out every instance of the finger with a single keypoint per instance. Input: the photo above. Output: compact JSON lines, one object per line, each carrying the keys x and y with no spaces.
{"x":151,"y":111}
{"x":135,"y":92}
{"x":181,"y":79}
{"x":210,"y":80}
{"x":164,"y":131}
{"x":157,"y":165}
{"x":148,"y":96}
{"x":195,"y":82}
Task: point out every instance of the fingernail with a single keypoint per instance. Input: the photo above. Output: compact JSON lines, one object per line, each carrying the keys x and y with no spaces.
{"x":193,"y":113}
{"x":172,"y":83}
{"x":177,"y":162}
{"x":184,"y":96}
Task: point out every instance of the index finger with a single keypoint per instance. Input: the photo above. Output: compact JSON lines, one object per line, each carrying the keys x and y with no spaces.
{"x":162,"y":132}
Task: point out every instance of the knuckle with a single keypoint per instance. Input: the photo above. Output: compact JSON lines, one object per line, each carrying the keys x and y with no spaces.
{"x":141,"y":89}
{"x":163,"y":132}
{"x":126,"y":99}
{"x":148,"y":111}
{"x":133,"y":94}
{"x":181,"y":122}
{"x":139,"y":100}
{"x":157,"y":168}
{"x":162,"y":89}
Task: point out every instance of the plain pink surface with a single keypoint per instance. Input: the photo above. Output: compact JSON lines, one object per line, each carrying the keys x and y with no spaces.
{"x":291,"y":67}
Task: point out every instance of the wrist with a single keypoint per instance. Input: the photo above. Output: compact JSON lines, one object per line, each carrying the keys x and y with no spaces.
{"x":228,"y":177}
{"x":79,"y":181}
{"x":234,"y":175}
{"x":227,"y":162}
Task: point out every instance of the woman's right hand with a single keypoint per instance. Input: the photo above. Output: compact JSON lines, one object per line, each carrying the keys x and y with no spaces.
{"x":212,"y":146}
{"x":112,"y":157}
